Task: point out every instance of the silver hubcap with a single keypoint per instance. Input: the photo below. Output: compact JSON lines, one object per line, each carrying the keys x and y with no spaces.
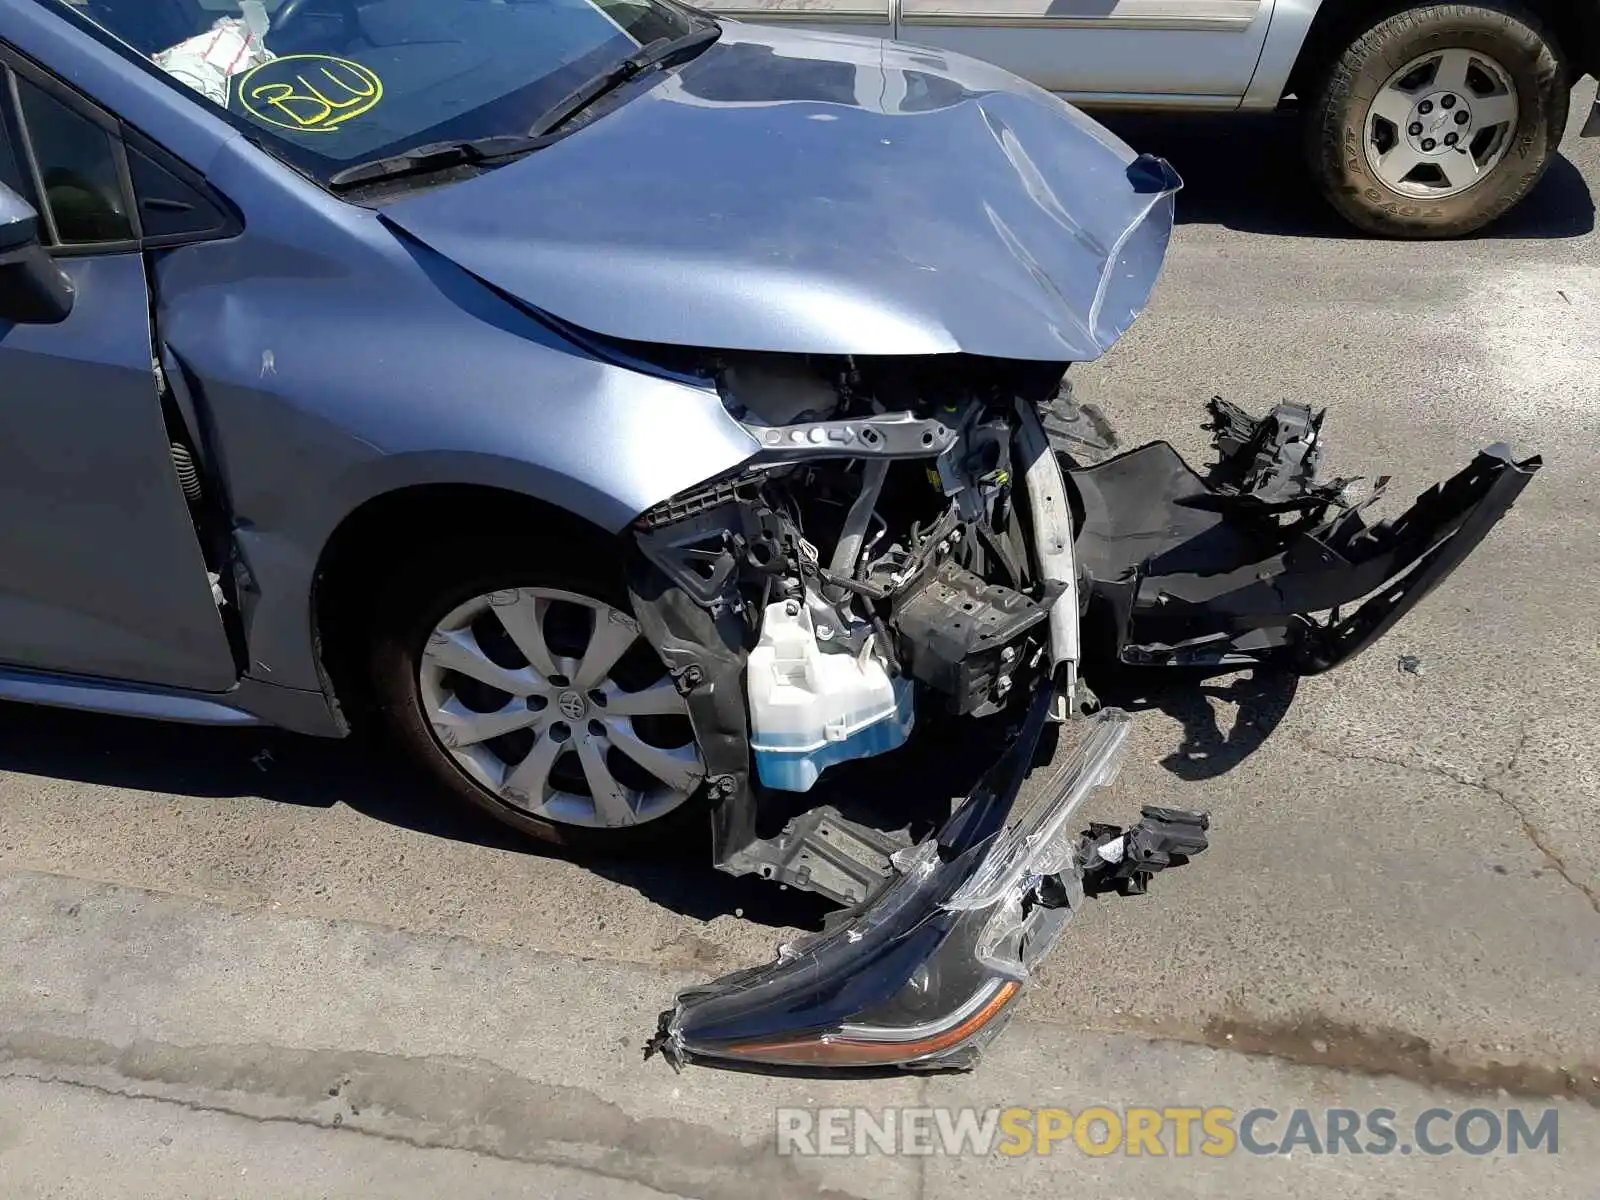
{"x":1441,"y":124}
{"x":553,"y":702}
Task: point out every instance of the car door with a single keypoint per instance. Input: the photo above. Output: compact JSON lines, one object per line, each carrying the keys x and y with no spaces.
{"x":101,"y":572}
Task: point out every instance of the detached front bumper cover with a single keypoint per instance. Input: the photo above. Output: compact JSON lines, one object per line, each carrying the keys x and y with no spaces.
{"x":922,"y":976}
{"x":1257,"y":562}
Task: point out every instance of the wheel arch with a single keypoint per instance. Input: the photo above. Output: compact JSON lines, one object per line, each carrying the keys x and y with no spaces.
{"x":362,"y":550}
{"x":289,"y":547}
{"x":1337,"y":22}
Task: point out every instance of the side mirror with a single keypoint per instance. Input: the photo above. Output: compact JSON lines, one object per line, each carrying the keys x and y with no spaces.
{"x":33,"y":290}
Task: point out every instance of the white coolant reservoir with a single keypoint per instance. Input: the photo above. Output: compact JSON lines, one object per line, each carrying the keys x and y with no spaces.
{"x":810,"y":709}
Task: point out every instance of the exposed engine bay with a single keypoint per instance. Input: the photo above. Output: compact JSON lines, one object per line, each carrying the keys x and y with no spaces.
{"x":878,"y":543}
{"x":881,"y":553}
{"x":958,"y":534}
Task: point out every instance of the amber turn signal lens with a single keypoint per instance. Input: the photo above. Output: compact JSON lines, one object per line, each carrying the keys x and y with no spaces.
{"x":839,"y":1050}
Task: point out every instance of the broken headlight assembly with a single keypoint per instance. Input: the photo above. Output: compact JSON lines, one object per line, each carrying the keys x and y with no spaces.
{"x":924,"y":974}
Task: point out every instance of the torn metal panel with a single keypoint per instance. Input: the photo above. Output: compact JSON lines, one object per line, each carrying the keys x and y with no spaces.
{"x":893,"y":435}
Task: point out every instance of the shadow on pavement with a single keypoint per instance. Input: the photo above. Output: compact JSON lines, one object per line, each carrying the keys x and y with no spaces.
{"x":1259,"y":700}
{"x":1246,"y":172}
{"x":186,"y":760}
{"x":370,"y":778}
{"x":913,"y":792}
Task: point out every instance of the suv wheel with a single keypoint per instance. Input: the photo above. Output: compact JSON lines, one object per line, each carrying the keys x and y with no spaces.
{"x":1438,"y":119}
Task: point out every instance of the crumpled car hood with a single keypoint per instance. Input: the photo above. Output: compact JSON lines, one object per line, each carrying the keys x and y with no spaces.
{"x":816,"y":193}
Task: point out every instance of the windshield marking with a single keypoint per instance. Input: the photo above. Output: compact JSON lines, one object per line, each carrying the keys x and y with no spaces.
{"x":338,"y":91}
{"x":391,"y":76}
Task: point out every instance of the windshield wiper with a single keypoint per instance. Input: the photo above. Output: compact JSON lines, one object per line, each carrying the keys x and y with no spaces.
{"x":436,"y":156}
{"x":658,"y":53}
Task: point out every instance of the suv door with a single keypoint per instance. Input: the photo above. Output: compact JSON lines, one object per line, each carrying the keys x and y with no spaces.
{"x":101,"y":572}
{"x":1165,"y":53}
{"x":1197,"y":53}
{"x":872,"y":18}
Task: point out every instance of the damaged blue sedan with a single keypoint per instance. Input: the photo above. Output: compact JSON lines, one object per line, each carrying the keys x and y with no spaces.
{"x":640,"y":416}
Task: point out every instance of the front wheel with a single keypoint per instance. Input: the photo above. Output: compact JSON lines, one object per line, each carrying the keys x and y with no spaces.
{"x":516,"y":673}
{"x":1438,"y":119}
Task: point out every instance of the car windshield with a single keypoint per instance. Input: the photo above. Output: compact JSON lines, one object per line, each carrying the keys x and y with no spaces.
{"x":327,"y":83}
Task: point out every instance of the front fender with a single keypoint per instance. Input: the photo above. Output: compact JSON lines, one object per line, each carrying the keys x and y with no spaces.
{"x":333,"y":362}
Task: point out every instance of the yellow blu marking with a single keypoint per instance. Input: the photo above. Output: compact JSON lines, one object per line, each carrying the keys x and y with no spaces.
{"x":309,"y":93}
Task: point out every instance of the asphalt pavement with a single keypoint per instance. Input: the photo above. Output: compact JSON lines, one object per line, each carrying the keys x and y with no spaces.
{"x":239,"y":963}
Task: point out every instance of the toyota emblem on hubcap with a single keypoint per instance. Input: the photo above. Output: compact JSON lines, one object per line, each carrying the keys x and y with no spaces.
{"x":572,"y":706}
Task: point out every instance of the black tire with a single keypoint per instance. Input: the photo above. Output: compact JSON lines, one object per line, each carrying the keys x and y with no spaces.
{"x":435,"y":580}
{"x":1336,"y":125}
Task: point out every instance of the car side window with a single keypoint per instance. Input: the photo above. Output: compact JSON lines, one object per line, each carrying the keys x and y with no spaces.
{"x":78,"y":168}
